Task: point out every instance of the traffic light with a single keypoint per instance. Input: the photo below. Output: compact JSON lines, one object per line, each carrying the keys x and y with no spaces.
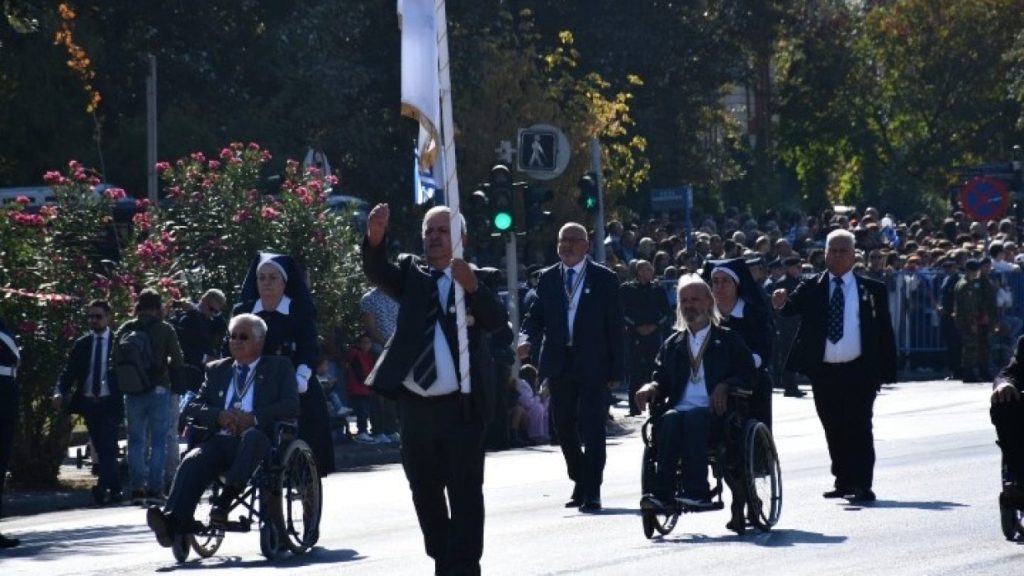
{"x":501,"y":203}
{"x":536,"y":215}
{"x":587,"y":198}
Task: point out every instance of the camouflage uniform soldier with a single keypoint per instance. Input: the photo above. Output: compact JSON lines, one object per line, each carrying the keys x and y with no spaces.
{"x":975,"y":315}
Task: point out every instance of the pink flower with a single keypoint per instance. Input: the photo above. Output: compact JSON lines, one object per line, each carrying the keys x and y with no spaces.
{"x":69,"y":331}
{"x":269,"y":213}
{"x":93,"y":180}
{"x":174,"y":292}
{"x":142,"y":204}
{"x":166,"y":282}
{"x":265,"y":156}
{"x":227,"y":153}
{"x":115,"y":194}
{"x":74,"y":165}
{"x":254,"y":146}
{"x":234,"y":161}
{"x":142,"y":221}
{"x":198,"y":157}
{"x":240,"y":216}
{"x":213,"y":165}
{"x":162,"y":167}
{"x":54,"y":178}
{"x":48,"y":212}
{"x":23,"y":200}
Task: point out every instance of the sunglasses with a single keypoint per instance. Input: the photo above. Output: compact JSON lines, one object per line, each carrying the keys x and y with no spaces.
{"x":242,"y":337}
{"x":97,"y":316}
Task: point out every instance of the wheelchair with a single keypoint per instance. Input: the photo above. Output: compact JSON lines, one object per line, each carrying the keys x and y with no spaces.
{"x":284,"y":498}
{"x":746,"y":456}
{"x":1011,"y":508}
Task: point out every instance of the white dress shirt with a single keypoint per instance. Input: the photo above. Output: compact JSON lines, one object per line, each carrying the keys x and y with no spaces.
{"x":696,"y":393}
{"x":447,"y":377}
{"x":574,"y":303}
{"x":847,"y":349}
{"x":229,"y":398}
{"x":101,"y":339}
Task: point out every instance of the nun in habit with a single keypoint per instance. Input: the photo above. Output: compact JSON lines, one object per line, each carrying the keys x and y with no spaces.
{"x":275,"y":290}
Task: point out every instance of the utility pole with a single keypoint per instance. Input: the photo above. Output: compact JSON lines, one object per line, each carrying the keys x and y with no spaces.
{"x":151,"y":188}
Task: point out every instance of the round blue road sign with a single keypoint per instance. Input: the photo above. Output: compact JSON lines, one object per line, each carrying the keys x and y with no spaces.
{"x":985,"y":198}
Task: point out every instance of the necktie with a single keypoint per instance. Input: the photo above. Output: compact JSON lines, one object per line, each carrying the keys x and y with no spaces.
{"x":424,"y":372}
{"x":97,"y":365}
{"x":243,"y":376}
{"x":570,"y":276}
{"x":835,"y":312}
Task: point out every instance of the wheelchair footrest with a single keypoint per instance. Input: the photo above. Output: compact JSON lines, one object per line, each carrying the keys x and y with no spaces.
{"x":715,"y":505}
{"x":241,"y":525}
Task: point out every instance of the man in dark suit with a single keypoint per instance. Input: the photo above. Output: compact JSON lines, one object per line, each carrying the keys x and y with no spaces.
{"x":442,"y":415}
{"x":94,"y":394}
{"x":239,"y":403}
{"x":696,"y":370}
{"x":10,"y":358}
{"x":1007,"y":413}
{"x":578,"y":324}
{"x":846,"y":346}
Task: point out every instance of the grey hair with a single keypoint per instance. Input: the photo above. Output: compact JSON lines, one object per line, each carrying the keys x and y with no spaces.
{"x":259,"y":327}
{"x":685,"y":281}
{"x":574,"y":226}
{"x":441,"y":210}
{"x":840,"y":233}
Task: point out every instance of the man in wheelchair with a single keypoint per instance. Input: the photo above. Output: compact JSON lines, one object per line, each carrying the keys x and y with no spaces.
{"x":696,"y":370}
{"x":241,"y":400}
{"x":1007,"y":414}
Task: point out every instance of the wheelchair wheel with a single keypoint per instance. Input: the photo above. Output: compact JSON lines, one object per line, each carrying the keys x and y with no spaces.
{"x":661,"y":522}
{"x":270,"y":540}
{"x":207,"y":543}
{"x":180,"y":547}
{"x":763,"y":476}
{"x":300,"y":498}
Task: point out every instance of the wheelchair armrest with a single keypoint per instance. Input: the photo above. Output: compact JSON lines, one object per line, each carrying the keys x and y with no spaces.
{"x":284,"y":429}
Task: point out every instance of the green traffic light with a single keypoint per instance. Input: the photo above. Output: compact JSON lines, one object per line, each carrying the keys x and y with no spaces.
{"x":502,"y":221}
{"x":591,"y":202}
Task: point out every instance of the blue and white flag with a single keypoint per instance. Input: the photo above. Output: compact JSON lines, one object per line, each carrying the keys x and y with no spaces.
{"x":424,"y":186}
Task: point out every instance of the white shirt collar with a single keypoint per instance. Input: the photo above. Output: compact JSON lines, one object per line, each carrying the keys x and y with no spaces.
{"x":284,"y":307}
{"x":252,"y":365}
{"x":105,"y":334}
{"x":700,"y":334}
{"x":846,"y":278}
{"x":737,"y":309}
{"x":578,"y":267}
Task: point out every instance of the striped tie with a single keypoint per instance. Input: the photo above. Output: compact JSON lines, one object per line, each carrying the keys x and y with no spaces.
{"x":835,"y":312}
{"x":424,"y":370}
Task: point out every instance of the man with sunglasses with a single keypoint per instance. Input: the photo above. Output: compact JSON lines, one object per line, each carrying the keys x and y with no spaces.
{"x":201,"y":329}
{"x":239,"y":402}
{"x":94,"y":395}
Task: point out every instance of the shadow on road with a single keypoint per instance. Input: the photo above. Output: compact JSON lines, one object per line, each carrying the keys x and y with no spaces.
{"x":606,"y":512}
{"x":315,"y":556}
{"x":936,"y":505}
{"x":773,"y":539}
{"x":52,"y":544}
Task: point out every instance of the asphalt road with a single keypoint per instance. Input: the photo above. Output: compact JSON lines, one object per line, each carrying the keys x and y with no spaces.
{"x":937,"y":481}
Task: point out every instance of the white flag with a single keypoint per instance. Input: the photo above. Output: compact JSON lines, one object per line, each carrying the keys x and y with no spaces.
{"x":420,"y":85}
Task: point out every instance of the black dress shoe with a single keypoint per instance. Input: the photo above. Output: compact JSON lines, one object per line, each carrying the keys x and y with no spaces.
{"x":795,"y":393}
{"x":738,"y":524}
{"x":161,"y":526}
{"x":836,"y":493}
{"x":576,"y":500}
{"x":861,"y":495}
{"x":6,"y":542}
{"x":591,"y":505}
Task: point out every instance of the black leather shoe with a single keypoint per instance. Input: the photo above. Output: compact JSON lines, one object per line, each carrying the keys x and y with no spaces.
{"x":6,"y":542}
{"x":591,"y":505}
{"x":576,"y":500}
{"x":738,"y":524}
{"x":861,"y":495}
{"x":161,"y":526}
{"x":795,"y":393}
{"x":836,"y":493}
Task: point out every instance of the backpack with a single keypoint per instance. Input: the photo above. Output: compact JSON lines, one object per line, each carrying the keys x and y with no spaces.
{"x":134,"y":354}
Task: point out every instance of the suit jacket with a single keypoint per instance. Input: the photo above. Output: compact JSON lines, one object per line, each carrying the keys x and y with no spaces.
{"x":877,"y":341}
{"x":1014,"y":371}
{"x":726,"y":359}
{"x":598,"y":328}
{"x":76,"y":370}
{"x":409,"y":282}
{"x":275,"y":395}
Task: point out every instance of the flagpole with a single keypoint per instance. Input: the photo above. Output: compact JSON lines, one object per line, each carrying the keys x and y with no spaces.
{"x":451,"y":183}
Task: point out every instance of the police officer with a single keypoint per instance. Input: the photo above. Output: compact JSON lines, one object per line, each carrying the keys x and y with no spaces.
{"x":647,"y":313}
{"x":975,"y":315}
{"x":9,"y":359}
{"x":947,"y":323}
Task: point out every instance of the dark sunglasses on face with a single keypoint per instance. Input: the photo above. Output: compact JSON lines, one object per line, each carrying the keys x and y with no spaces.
{"x":96,"y":316}
{"x":242,"y":337}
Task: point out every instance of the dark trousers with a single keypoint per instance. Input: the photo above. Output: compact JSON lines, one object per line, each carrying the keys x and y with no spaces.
{"x":362,"y":406}
{"x":1008,"y":418}
{"x":685,"y":435}
{"x":580,"y":410}
{"x":786,"y":329}
{"x":101,"y":420}
{"x":8,"y":418}
{"x":235,"y":456}
{"x":443,"y":452}
{"x":315,"y":426}
{"x":951,"y":336}
{"x":641,"y":351}
{"x":844,"y":400}
{"x":761,"y":401}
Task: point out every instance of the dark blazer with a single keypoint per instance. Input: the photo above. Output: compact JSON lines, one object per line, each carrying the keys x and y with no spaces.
{"x":409,"y":282}
{"x":877,"y":341}
{"x":76,"y":370}
{"x":1014,"y":371}
{"x":598,"y":328}
{"x":275,"y":396}
{"x":726,"y":359}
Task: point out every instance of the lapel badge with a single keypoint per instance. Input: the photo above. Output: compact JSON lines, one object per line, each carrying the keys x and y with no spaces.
{"x":470,"y":320}
{"x":451,"y":310}
{"x":586,"y":290}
